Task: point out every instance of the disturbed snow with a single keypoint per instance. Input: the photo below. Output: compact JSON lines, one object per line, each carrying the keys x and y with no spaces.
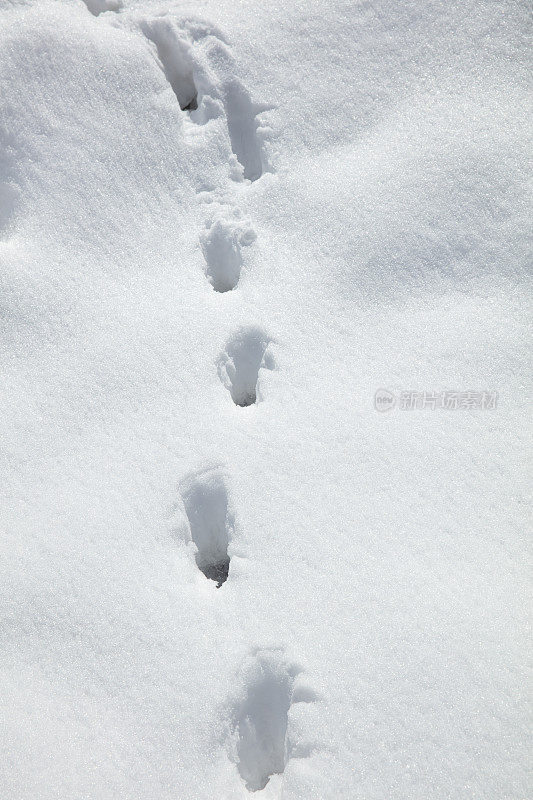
{"x":223,"y":227}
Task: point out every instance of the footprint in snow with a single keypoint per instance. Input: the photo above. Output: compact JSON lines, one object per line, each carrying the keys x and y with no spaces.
{"x":259,"y":740}
{"x":176,"y":57}
{"x":200,"y":68}
{"x":97,"y":7}
{"x":221,"y":244}
{"x":239,"y":364}
{"x":211,"y":520}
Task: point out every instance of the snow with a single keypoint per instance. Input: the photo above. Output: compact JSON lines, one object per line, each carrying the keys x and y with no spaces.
{"x":223,"y":227}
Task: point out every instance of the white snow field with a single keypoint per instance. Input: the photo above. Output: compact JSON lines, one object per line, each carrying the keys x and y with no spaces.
{"x":224,"y":226}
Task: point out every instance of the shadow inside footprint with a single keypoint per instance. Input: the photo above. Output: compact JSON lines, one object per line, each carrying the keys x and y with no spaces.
{"x":97,"y":7}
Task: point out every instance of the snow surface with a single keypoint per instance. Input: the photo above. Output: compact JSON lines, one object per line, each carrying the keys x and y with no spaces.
{"x":223,"y":226}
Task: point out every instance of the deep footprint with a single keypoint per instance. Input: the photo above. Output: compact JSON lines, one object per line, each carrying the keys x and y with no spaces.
{"x":221,"y":244}
{"x":239,"y":364}
{"x":174,"y":51}
{"x":260,"y":721}
{"x":244,"y":127}
{"x":201,"y":70}
{"x":211,"y":521}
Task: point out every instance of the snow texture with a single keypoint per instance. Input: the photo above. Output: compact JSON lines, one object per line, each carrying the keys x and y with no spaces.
{"x":224,"y":226}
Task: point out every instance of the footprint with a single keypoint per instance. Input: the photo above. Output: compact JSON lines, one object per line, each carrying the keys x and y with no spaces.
{"x":8,"y":200}
{"x":239,"y":364}
{"x":9,"y":190}
{"x":97,"y":7}
{"x":201,"y":70}
{"x":258,"y":741}
{"x":211,"y":521}
{"x":221,"y":244}
{"x":246,"y":133}
{"x":174,"y":50}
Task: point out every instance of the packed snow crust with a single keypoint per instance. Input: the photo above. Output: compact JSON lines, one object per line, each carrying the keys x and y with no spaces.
{"x":224,"y":225}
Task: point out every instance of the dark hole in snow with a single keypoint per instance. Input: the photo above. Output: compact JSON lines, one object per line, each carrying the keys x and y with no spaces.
{"x":245,"y":400}
{"x":192,"y":105}
{"x":217,"y":572}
